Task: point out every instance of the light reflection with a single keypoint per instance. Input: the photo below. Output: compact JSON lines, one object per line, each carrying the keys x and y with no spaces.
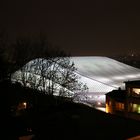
{"x":118,"y":78}
{"x":131,"y":76}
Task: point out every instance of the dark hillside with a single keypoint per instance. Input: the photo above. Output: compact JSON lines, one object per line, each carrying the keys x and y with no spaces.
{"x":56,"y":118}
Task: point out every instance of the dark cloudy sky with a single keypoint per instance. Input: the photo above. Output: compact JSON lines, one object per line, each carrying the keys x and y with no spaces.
{"x":97,"y":27}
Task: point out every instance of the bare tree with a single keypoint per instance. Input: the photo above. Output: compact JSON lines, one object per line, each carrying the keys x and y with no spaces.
{"x":52,"y":70}
{"x":56,"y":75}
{"x":16,"y":53}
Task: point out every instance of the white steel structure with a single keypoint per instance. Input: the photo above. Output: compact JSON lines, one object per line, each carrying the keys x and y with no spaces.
{"x":101,"y":74}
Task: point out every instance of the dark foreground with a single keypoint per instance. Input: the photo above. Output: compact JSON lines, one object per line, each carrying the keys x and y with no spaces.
{"x":79,"y":122}
{"x":70,"y":121}
{"x":63,"y":120}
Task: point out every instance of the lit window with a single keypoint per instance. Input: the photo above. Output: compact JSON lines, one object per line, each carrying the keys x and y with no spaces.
{"x":22,"y":106}
{"x":119,"y":106}
{"x":139,"y":109}
{"x":107,"y":108}
{"x":136,"y":91}
{"x":136,"y":108}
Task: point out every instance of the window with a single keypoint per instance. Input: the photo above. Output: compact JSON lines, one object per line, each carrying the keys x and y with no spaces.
{"x":119,"y":106}
{"x":136,"y":92}
{"x":135,"y":108}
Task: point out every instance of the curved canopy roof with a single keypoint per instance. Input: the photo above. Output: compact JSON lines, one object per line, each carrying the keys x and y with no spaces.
{"x":103,"y":74}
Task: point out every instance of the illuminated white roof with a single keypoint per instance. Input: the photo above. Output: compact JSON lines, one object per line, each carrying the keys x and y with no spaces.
{"x":103,"y":74}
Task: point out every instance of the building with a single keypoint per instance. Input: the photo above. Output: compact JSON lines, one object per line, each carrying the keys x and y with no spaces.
{"x":125,"y":102}
{"x":101,"y":74}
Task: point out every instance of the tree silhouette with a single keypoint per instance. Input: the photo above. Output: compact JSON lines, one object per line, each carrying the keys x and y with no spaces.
{"x":16,"y":53}
{"x":56,"y":75}
{"x":52,"y":70}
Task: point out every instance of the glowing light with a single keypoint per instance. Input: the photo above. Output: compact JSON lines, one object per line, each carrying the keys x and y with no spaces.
{"x":99,"y":103}
{"x":136,"y":90}
{"x":139,"y":109}
{"x":101,"y":109}
{"x":106,"y":109}
{"x":25,"y":104}
{"x":118,"y":77}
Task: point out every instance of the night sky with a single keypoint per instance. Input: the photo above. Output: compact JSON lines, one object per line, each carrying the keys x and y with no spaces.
{"x":97,"y":27}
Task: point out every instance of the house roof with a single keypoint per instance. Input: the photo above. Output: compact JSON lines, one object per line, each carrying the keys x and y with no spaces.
{"x":119,"y":95}
{"x":136,"y":82}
